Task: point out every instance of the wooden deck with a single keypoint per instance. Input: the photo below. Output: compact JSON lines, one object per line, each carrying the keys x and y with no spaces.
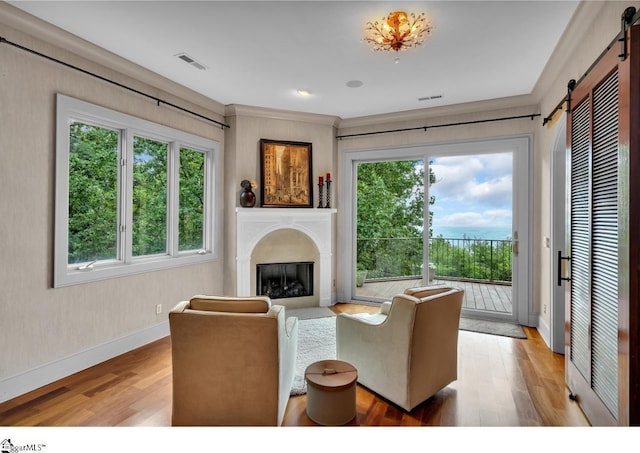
{"x":477,"y":296}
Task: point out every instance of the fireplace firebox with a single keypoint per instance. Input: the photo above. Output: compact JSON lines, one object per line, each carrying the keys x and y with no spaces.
{"x":284,"y":280}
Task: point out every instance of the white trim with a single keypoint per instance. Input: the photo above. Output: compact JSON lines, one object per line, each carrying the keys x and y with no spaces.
{"x":558,"y":234}
{"x":543,"y":329}
{"x":524,"y":103}
{"x":275,"y":114}
{"x":35,"y":378}
{"x":253,"y":224}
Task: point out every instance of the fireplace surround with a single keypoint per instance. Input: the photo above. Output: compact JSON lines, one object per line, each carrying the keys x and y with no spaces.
{"x":255,"y":224}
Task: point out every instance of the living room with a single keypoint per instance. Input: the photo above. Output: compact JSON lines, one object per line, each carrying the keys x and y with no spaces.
{"x":52,"y":332}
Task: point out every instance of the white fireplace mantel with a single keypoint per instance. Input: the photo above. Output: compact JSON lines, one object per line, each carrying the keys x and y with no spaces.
{"x":253,"y":224}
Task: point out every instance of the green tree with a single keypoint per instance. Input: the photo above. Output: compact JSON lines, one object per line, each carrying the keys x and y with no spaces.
{"x":191,"y":217}
{"x":472,"y":258}
{"x":390,"y":217}
{"x":149,"y":197}
{"x":93,"y":193}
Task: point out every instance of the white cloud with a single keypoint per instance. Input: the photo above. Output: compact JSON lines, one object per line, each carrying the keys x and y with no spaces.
{"x":496,"y":192}
{"x":464,"y":219}
{"x":473,"y":190}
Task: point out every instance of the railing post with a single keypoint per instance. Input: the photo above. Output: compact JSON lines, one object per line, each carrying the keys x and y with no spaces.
{"x":491,"y":262}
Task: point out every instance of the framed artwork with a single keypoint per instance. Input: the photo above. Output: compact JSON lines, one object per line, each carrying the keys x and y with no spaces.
{"x":285,"y":170}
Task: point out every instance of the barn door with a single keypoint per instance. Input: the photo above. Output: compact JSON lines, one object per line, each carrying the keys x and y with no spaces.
{"x":597,"y":352}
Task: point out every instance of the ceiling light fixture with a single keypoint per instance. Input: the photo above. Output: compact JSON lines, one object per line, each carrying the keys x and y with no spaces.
{"x":304,"y":92}
{"x":397,"y":32}
{"x":354,"y":83}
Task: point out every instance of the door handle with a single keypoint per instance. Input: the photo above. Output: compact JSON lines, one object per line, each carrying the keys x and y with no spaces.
{"x":560,"y":277}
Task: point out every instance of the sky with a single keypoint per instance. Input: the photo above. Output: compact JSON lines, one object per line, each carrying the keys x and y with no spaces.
{"x":472,"y":190}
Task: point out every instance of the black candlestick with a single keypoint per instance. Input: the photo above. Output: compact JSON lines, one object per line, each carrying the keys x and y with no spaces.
{"x":320,"y":187}
{"x":328,"y":205}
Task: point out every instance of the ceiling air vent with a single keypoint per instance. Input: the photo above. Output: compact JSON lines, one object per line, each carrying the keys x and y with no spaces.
{"x":187,"y":59}
{"x":430,"y":98}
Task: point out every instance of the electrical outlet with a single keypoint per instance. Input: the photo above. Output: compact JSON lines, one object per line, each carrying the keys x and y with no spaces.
{"x":544,"y":309}
{"x":547,"y":242}
{"x":158,"y":309}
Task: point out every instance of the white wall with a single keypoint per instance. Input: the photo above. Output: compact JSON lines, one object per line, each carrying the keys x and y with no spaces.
{"x":242,"y":161}
{"x":48,"y":333}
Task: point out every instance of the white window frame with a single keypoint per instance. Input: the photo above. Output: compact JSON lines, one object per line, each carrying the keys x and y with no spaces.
{"x":69,"y":109}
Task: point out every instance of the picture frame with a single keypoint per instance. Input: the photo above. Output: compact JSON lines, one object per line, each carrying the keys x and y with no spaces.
{"x":285,"y":171}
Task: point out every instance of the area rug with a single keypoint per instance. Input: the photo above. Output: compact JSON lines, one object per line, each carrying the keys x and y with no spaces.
{"x":316,"y":341}
{"x":492,"y":327}
{"x":309,"y":313}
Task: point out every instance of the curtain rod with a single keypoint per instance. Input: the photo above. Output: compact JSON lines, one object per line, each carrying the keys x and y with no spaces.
{"x":629,"y":17}
{"x":84,"y":71}
{"x":461,"y":123}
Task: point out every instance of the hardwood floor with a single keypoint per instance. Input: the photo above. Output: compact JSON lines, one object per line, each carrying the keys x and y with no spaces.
{"x":501,"y":382}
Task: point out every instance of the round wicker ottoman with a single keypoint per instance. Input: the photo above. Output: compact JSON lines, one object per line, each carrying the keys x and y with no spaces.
{"x":331,"y":392}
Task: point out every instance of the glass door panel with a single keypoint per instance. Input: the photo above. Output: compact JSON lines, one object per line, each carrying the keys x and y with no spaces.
{"x":472,"y":235}
{"x":389,"y":228}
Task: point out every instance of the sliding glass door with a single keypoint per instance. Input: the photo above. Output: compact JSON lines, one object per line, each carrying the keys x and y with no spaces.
{"x":454,"y":214}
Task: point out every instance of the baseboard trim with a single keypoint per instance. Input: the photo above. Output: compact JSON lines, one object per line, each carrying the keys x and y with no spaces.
{"x":27,"y":381}
{"x":545,"y":331}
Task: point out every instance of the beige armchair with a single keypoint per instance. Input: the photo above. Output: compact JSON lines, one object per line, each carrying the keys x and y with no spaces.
{"x":233,"y":361}
{"x":407,"y":351}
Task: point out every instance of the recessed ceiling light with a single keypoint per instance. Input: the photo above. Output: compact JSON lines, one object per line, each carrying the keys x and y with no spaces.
{"x":304,"y":92}
{"x":354,"y":83}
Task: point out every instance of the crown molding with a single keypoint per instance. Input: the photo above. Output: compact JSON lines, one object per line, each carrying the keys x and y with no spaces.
{"x":288,"y":115}
{"x":25,"y":23}
{"x":446,"y":110}
{"x":581,"y":23}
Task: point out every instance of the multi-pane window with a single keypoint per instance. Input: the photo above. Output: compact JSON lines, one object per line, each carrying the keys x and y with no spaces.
{"x":131,"y":195}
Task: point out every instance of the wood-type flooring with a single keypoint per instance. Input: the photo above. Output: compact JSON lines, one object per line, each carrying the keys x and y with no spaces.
{"x":501,"y":382}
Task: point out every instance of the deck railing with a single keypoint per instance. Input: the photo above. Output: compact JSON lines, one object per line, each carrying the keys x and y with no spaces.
{"x":453,"y":258}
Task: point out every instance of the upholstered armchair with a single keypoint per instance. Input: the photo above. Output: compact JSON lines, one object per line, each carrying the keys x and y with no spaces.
{"x":408,"y":350}
{"x":233,"y":361}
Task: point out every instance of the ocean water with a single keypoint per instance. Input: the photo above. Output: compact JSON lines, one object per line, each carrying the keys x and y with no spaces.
{"x":471,"y":232}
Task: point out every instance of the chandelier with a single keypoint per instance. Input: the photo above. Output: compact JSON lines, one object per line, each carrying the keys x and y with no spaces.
{"x":399,"y":31}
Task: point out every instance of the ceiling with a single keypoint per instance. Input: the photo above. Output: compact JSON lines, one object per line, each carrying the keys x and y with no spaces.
{"x":260,"y":53}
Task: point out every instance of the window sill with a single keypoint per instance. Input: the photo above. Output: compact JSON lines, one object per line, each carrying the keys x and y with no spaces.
{"x":75,"y":276}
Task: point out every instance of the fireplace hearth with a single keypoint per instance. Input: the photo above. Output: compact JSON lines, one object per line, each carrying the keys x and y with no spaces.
{"x":284,"y":280}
